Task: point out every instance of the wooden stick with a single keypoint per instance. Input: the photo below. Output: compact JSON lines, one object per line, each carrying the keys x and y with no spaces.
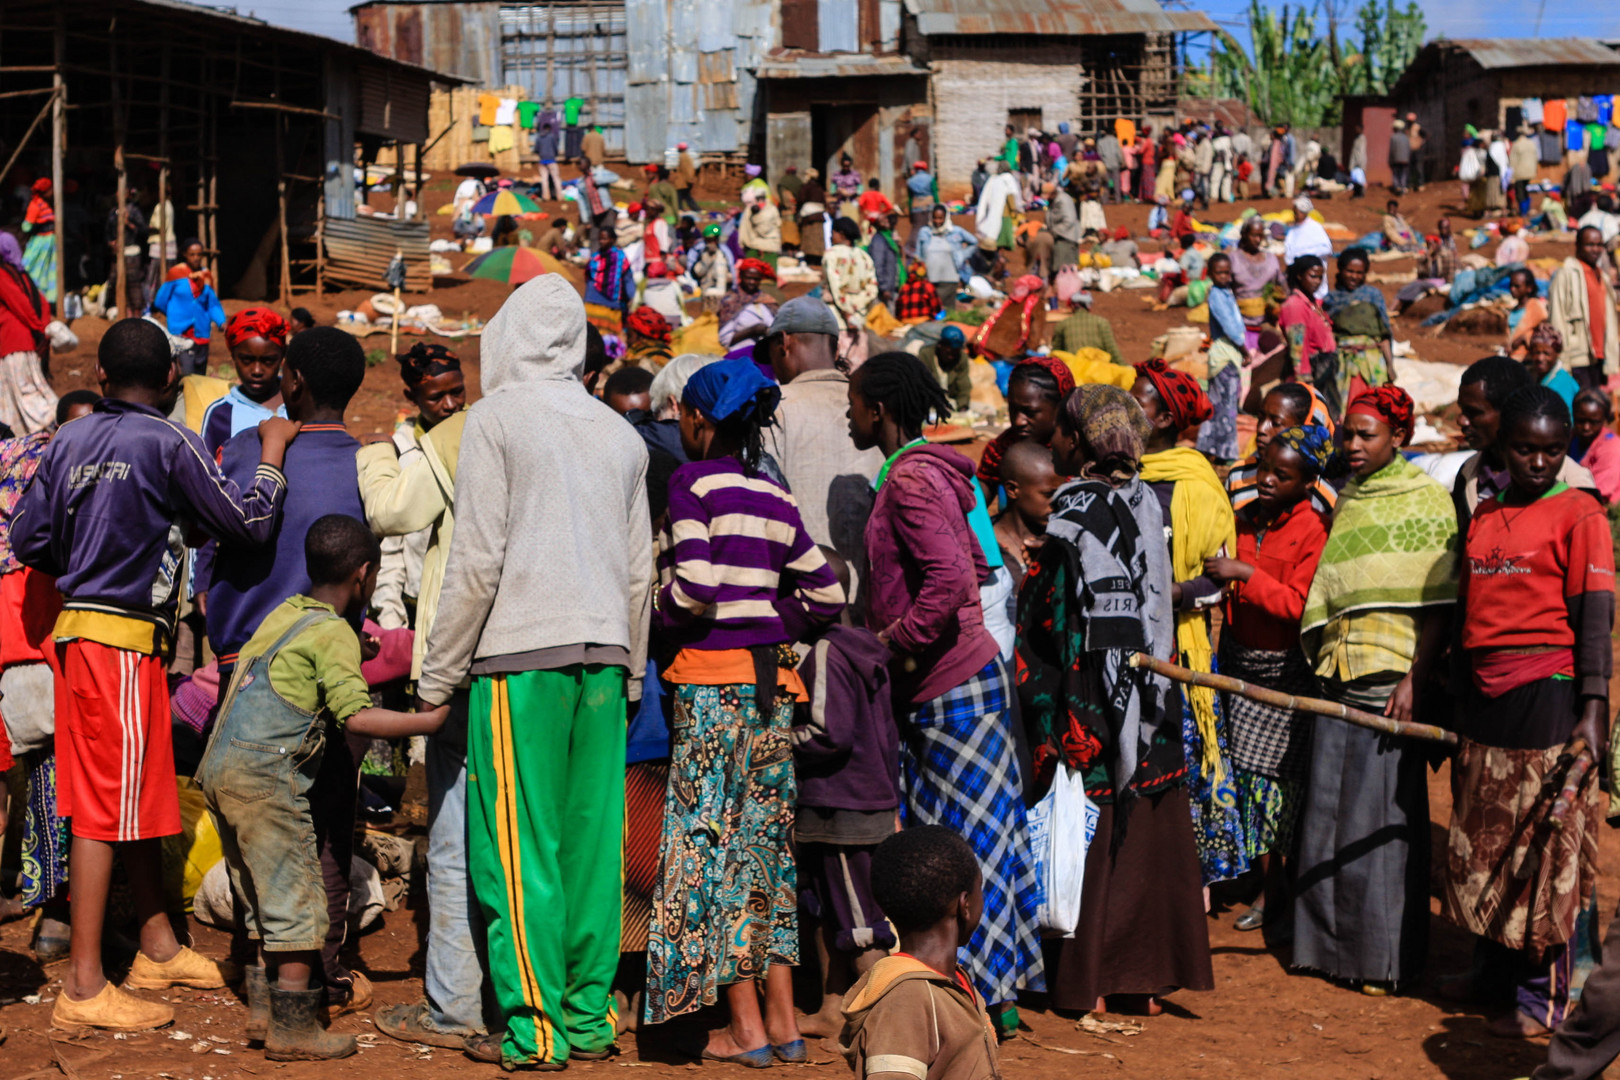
{"x":1300,"y":704}
{"x":1578,"y":768}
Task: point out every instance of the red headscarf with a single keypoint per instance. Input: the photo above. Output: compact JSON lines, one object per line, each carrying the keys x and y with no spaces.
{"x":42,"y":186}
{"x":256,"y":322}
{"x":1390,"y":404}
{"x":1181,"y":394}
{"x":1122,"y":233}
{"x":763,"y":267}
{"x":648,"y":323}
{"x":1053,"y":367}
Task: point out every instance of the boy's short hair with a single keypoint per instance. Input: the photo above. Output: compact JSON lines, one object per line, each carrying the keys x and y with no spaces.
{"x":302,"y":317}
{"x":331,"y":361}
{"x":336,"y":546}
{"x":918,"y":872}
{"x":134,"y":352}
{"x":628,"y":381}
{"x":596,"y":354}
{"x":68,"y":401}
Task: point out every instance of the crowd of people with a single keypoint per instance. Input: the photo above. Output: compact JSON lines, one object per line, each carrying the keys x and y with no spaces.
{"x":726,"y":669}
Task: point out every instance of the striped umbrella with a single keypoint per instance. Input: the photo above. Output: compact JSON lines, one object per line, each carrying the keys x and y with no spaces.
{"x":506,"y":201}
{"x":513,"y":265}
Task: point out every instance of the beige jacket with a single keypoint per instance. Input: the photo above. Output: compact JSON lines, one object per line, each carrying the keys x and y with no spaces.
{"x":1568,"y":314}
{"x":905,"y":1021}
{"x":421,"y":495}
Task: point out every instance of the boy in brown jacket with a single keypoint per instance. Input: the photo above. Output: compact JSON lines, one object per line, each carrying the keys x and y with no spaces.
{"x":915,"y":1016}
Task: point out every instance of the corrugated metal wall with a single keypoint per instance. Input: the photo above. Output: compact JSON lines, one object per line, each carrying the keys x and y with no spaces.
{"x":689,"y":75}
{"x":461,"y":39}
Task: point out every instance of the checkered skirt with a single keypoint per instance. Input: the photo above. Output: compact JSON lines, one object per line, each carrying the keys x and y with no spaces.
{"x":957,"y":769}
{"x":1266,"y":740}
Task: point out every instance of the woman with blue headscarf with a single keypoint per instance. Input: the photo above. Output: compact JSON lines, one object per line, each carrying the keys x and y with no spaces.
{"x":739,"y":581}
{"x":1280,"y":537}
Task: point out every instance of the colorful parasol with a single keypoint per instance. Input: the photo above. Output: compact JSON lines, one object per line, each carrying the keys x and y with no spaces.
{"x":505,"y":201}
{"x":513,"y":265}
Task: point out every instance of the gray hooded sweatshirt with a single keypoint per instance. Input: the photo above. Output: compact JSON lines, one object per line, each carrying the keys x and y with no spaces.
{"x":552,"y":548}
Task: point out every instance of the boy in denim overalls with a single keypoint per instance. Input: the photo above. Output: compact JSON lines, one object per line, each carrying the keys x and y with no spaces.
{"x":297,"y":682}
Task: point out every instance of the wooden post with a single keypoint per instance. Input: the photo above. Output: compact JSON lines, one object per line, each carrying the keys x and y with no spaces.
{"x":421,"y":198}
{"x":58,"y":150}
{"x":213,"y":188}
{"x":281,"y":194}
{"x":122,"y":265}
{"x":166,"y":227}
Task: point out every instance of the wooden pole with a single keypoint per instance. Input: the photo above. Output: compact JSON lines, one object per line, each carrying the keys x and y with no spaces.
{"x":166,"y":227}
{"x":23,"y":142}
{"x":58,"y":151}
{"x":1582,"y":762}
{"x":281,"y":196}
{"x":121,"y":267}
{"x":1299,"y":704}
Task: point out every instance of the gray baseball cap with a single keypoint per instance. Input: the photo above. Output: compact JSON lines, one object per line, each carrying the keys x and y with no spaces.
{"x":804,"y":315}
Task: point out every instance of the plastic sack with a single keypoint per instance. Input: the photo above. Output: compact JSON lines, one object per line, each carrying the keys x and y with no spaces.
{"x":194,"y":851}
{"x":1061,"y":827}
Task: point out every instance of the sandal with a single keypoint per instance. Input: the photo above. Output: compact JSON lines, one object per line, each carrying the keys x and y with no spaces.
{"x":791,"y":1053}
{"x":1253,"y":919}
{"x":487,"y":1048}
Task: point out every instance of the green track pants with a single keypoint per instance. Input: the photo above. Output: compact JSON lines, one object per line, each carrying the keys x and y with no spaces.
{"x":545,"y":821}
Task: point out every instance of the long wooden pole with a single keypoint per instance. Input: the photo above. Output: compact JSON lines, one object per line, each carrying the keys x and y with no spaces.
{"x":1319,"y":706}
{"x":58,"y":152}
{"x":122,"y":265}
{"x":23,"y":142}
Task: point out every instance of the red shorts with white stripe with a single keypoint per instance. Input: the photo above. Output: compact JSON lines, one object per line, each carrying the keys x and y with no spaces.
{"x":114,"y":748}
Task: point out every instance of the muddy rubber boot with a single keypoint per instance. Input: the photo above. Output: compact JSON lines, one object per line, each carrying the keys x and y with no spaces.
{"x":295,"y":1032}
{"x":256,"y":987}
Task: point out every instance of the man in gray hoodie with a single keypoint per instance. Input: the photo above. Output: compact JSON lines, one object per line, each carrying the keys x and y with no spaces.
{"x":544,"y":604}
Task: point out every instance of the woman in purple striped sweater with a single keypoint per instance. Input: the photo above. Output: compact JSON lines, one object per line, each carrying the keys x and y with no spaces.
{"x":739,"y":581}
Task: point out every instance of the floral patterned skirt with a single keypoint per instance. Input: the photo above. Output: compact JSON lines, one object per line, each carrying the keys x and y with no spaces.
{"x":1217,"y":827}
{"x":725,"y":907}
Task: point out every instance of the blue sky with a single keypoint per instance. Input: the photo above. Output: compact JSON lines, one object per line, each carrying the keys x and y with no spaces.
{"x":1454,"y":18}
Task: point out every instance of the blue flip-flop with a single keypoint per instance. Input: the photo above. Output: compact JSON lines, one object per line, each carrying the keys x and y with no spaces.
{"x":762,"y":1058}
{"x":792,"y":1053}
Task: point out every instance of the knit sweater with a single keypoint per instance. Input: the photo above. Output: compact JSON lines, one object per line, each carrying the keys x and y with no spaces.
{"x":731,"y":540}
{"x":551,"y":545}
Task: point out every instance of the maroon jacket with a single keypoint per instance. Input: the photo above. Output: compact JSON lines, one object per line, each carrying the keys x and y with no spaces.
{"x":926,"y":567}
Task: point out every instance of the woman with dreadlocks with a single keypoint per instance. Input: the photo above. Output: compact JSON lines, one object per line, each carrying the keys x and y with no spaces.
{"x":927,"y":541}
{"x":740,"y":581}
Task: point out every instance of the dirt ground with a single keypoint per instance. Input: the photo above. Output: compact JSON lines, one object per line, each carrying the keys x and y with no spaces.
{"x":1259,"y":1022}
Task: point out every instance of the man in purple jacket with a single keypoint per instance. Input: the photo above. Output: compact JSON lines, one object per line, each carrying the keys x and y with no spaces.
{"x":103,"y":517}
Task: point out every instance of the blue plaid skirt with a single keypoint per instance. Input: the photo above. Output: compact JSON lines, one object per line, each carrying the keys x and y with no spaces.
{"x":957,"y":769}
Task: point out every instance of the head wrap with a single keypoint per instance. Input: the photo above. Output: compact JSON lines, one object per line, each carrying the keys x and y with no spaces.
{"x":649,"y":323}
{"x":752,"y":170}
{"x":10,"y":251}
{"x":42,"y":186}
{"x":1547,"y":334}
{"x":1110,"y":423}
{"x":1052,"y":366}
{"x":764,"y":269}
{"x":812,"y":173}
{"x":1390,"y":404}
{"x":680,"y":146}
{"x":657,"y":269}
{"x":1122,"y":233}
{"x":1182,"y":396}
{"x":952,"y":335}
{"x":1187,"y":195}
{"x":1025,"y":286}
{"x":1313,"y":442}
{"x":426,"y":361}
{"x":1063,"y":128}
{"x":256,"y":322}
{"x":711,"y":232}
{"x":1510,"y":226}
{"x":726,"y":387}
{"x":1304,"y":205}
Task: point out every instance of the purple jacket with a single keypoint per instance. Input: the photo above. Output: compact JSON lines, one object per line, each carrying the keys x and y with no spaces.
{"x":101,"y":514}
{"x":847,"y":749}
{"x":926,"y":566}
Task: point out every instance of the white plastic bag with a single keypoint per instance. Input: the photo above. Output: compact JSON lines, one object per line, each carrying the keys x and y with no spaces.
{"x":1061,"y":826}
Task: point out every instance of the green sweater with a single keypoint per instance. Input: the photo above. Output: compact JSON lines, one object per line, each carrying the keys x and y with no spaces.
{"x":318,"y":669}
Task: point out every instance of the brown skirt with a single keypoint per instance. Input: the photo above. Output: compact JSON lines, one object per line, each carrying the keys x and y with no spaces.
{"x":1142,"y":924}
{"x":812,"y":237}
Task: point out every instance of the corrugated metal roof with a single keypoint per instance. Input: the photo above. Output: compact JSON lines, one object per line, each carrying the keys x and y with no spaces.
{"x":1535,"y":52}
{"x":1067,"y":17}
{"x":837,"y":66}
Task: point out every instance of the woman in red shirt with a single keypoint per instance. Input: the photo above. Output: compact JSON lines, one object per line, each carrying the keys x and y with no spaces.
{"x":1280,"y":536}
{"x":1306,"y":327}
{"x":1537,"y":592}
{"x":27,"y":402}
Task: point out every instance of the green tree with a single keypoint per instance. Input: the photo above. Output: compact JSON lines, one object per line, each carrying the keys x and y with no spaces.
{"x":1296,"y":74}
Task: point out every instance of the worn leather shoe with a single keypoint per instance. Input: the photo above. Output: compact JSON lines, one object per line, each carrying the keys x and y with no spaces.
{"x":110,"y":1010}
{"x":185,"y":968}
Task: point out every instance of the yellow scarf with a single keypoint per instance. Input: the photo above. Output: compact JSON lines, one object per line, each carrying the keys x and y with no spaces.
{"x":1201,"y":525}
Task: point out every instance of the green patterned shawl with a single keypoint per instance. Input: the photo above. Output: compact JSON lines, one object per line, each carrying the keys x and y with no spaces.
{"x":1393,"y":545}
